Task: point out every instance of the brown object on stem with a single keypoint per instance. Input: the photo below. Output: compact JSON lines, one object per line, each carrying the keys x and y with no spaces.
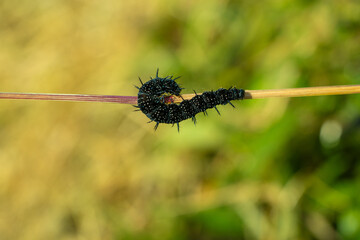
{"x":249,"y":94}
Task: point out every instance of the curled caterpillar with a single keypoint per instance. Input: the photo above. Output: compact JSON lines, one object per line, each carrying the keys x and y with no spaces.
{"x":151,"y":101}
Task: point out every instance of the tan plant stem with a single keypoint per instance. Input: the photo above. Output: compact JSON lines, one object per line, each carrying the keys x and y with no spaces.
{"x":249,"y":94}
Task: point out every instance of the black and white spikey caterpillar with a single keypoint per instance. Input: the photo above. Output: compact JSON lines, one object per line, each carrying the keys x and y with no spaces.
{"x":151,"y":100}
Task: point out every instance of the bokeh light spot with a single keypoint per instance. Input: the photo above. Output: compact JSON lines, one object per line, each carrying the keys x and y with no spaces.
{"x":330,"y":133}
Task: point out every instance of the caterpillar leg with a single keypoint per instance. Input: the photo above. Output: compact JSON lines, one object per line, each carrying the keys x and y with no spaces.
{"x":217,"y":110}
{"x":136,"y":106}
{"x":194,"y":120}
{"x":156,"y":126}
{"x":176,"y":78}
{"x":231,"y":104}
{"x":178,"y":126}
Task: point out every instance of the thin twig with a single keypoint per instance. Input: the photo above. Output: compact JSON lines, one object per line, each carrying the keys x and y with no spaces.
{"x":71,"y":97}
{"x":249,"y":94}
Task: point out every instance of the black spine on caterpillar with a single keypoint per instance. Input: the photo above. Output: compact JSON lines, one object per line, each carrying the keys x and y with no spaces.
{"x":151,"y":101}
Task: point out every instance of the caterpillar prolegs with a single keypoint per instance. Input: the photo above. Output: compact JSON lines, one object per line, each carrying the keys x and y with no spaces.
{"x":151,"y":100}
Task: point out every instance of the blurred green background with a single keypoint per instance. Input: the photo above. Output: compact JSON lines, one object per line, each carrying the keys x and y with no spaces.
{"x":268,"y":169}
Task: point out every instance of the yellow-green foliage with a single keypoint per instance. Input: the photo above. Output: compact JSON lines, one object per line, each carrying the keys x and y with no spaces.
{"x":269,"y":169}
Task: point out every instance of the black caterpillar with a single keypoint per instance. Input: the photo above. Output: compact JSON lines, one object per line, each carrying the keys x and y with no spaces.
{"x":151,"y":100}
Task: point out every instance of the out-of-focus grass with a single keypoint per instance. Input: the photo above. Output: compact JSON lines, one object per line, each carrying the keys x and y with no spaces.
{"x":269,"y":169}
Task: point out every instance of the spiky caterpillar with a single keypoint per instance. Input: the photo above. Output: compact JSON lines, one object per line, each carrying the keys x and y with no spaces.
{"x":151,"y":101}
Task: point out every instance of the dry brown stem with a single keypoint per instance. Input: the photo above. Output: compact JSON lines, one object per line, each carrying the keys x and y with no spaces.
{"x":249,"y":94}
